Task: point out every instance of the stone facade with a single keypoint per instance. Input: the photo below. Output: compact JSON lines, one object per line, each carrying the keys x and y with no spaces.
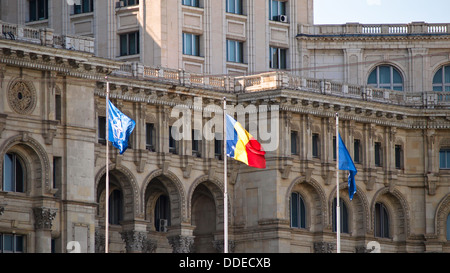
{"x":167,"y":196}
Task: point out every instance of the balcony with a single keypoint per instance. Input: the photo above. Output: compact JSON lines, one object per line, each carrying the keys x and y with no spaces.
{"x":356,"y":29}
{"x":46,"y":37}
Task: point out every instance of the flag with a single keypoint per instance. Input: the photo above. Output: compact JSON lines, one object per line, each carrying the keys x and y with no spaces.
{"x":242,"y":146}
{"x":346,"y":163}
{"x":120,"y":128}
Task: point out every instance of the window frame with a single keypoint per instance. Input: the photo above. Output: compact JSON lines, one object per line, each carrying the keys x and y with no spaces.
{"x":315,"y":145}
{"x":127,"y":3}
{"x":294,"y":142}
{"x":191,"y":3}
{"x":357,"y":151}
{"x":150,"y":136}
{"x":237,"y":8}
{"x":35,"y":8}
{"x":15,"y":243}
{"x":194,"y":44}
{"x":89,"y":4}
{"x":378,"y":154}
{"x":13,"y":185}
{"x":444,"y":155}
{"x":162,"y":209}
{"x":443,"y":85}
{"x":391,"y":85}
{"x":299,"y":211}
{"x":381,"y":226}
{"x":281,"y":9}
{"x":281,"y":57}
{"x":126,"y":37}
{"x":238,"y":47}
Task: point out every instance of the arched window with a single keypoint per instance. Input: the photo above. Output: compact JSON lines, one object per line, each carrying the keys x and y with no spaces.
{"x":441,"y":80}
{"x":448,"y":227}
{"x":162,"y":213}
{"x":386,"y":76}
{"x":115,"y":207}
{"x":13,"y":173}
{"x":381,"y":221}
{"x":343,"y":216}
{"x":298,"y":211}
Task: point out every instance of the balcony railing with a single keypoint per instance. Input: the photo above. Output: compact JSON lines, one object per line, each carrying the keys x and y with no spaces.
{"x":375,"y":29}
{"x":46,"y":37}
{"x":283,"y":80}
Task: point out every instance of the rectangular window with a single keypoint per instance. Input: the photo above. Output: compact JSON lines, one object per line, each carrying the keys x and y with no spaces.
{"x":276,"y":8}
{"x":102,"y":130}
{"x":218,"y":146}
{"x":294,"y":146}
{"x":357,"y":151}
{"x":130,"y":2}
{"x":378,"y":154}
{"x":334,"y":148}
{"x":192,"y":3}
{"x":58,"y":107}
{"x":398,"y":156}
{"x":235,"y":51}
{"x":38,"y":10}
{"x":234,"y":6}
{"x":444,"y":158}
{"x":85,"y":6}
{"x":277,"y":58}
{"x":191,"y":44}
{"x":129,"y":44}
{"x":150,"y":136}
{"x":196,"y":142}
{"x":11,"y":243}
{"x":172,"y":142}
{"x":57,"y":172}
{"x":315,"y":145}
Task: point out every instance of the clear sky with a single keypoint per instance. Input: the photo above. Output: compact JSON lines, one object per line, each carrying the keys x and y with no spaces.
{"x":381,"y":11}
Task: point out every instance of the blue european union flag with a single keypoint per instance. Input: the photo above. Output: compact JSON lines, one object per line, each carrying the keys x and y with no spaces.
{"x":346,"y":163}
{"x":120,"y":128}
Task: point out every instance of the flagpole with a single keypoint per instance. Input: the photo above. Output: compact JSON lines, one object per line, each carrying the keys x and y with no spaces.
{"x":107,"y":169}
{"x":338,"y":211}
{"x":225,"y":191}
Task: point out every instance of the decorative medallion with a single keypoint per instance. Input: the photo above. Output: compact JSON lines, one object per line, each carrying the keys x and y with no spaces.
{"x":21,"y":97}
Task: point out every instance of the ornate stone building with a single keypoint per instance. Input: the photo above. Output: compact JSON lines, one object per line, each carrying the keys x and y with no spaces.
{"x":388,"y":84}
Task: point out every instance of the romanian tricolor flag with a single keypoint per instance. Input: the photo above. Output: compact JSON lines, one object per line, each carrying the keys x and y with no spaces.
{"x":242,"y":146}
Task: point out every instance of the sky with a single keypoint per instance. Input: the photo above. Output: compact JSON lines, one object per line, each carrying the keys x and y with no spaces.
{"x":381,"y":11}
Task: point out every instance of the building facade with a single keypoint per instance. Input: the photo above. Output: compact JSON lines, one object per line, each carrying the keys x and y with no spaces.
{"x":388,"y":84}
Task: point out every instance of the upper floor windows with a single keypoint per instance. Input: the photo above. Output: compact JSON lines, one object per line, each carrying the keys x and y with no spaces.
{"x":277,"y":9}
{"x":129,"y":43}
{"x":444,"y":158}
{"x":38,"y":10}
{"x":192,"y":3}
{"x":235,"y":51}
{"x":234,"y":6}
{"x":385,"y":76}
{"x":130,"y":2}
{"x":13,"y":173}
{"x":278,"y":58}
{"x":441,"y":80}
{"x":191,"y":44}
{"x":12,"y":243}
{"x":84,"y":6}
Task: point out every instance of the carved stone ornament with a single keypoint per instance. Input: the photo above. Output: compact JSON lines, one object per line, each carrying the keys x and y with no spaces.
{"x":181,"y":244}
{"x":43,"y":217}
{"x":22,"y":97}
{"x":323,"y":247}
{"x":135,"y":241}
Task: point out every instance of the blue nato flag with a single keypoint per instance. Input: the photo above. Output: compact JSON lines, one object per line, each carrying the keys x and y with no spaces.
{"x":120,"y":128}
{"x":346,"y":163}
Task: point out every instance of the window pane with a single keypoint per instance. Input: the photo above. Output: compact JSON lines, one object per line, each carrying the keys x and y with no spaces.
{"x":240,"y":52}
{"x":231,"y":7}
{"x":438,"y":76}
{"x":293,"y":142}
{"x":356,"y":150}
{"x":232,"y":51}
{"x":294,"y":209}
{"x":447,"y":160}
{"x":274,"y":10}
{"x":302,"y":213}
{"x":397,"y":76}
{"x":8,"y":173}
{"x":132,"y":43}
{"x":447,"y":74}
{"x":442,"y":159}
{"x":448,"y":227}
{"x":188,"y":44}
{"x":8,"y":243}
{"x":385,"y":74}
{"x":372,"y":78}
{"x":196,"y":45}
{"x":123,"y":45}
{"x":19,"y":244}
{"x":18,"y":176}
{"x":282,"y":59}
{"x":282,"y":8}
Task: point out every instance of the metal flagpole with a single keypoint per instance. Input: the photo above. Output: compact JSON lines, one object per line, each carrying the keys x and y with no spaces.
{"x":107,"y":169}
{"x":225,"y":191}
{"x":338,"y":211}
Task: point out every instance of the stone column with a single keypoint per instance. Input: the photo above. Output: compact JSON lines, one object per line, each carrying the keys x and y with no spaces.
{"x":182,"y":244}
{"x":43,"y":218}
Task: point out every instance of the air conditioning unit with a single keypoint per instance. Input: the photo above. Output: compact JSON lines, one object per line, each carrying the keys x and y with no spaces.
{"x":282,"y":18}
{"x":163,"y":225}
{"x":120,"y":4}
